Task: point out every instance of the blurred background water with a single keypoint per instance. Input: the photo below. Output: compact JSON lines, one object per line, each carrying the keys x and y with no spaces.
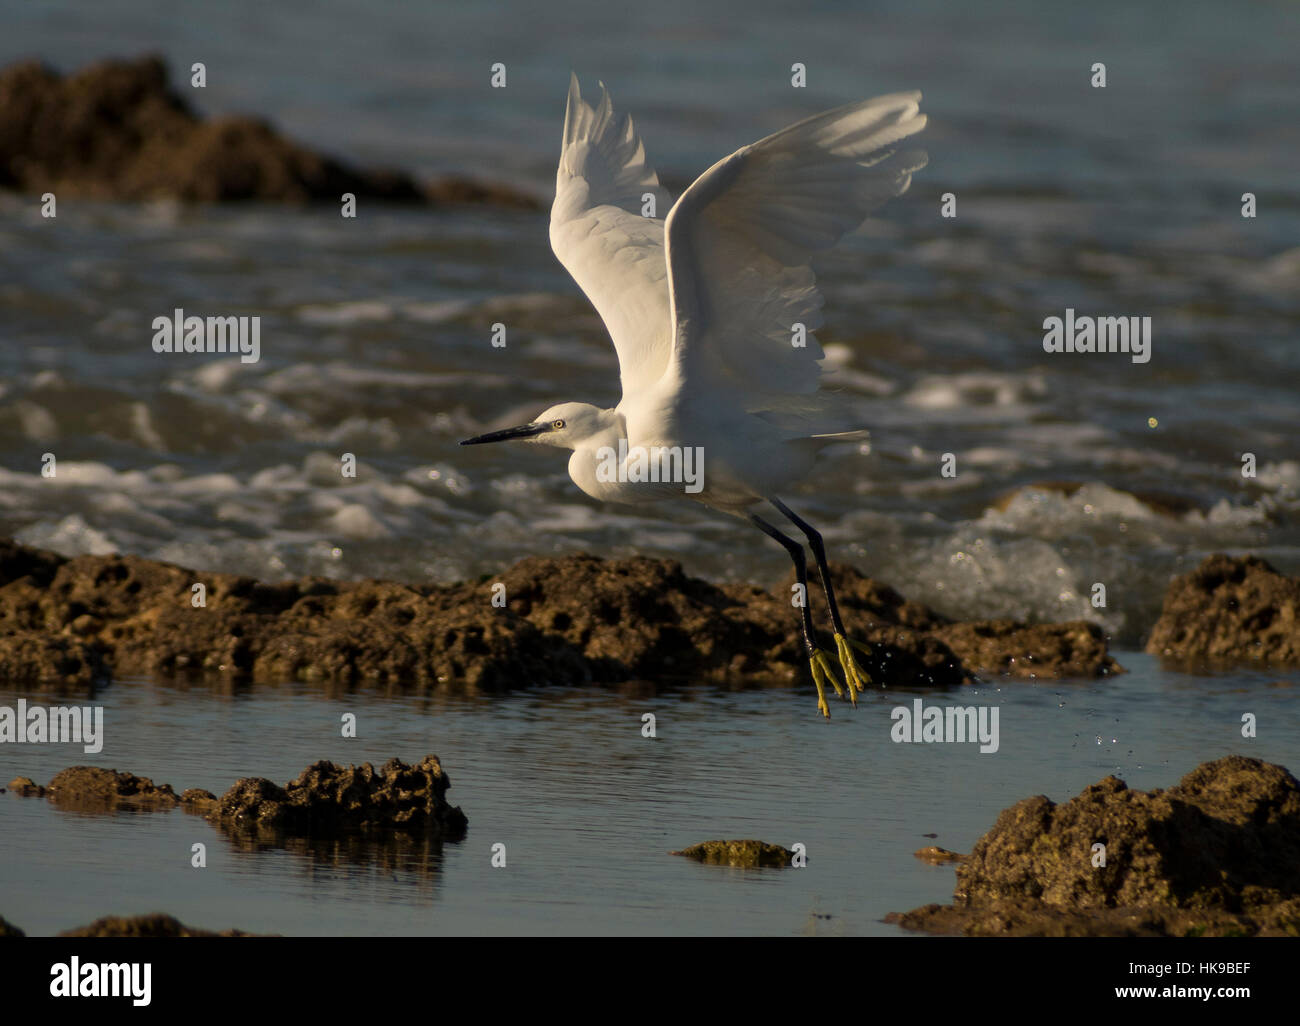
{"x":1123,"y":201}
{"x":376,"y":331}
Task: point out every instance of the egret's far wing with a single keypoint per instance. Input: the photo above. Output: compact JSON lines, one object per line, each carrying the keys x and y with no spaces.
{"x":613,"y":252}
{"x":740,"y":240}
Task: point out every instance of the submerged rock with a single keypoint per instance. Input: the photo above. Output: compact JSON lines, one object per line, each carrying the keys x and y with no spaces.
{"x":198,"y":799}
{"x":1217,"y":854}
{"x":746,"y":854}
{"x":573,"y":620}
{"x":1230,"y":610}
{"x":937,"y":856}
{"x":92,"y":788}
{"x":155,"y":925}
{"x":328,"y":799}
{"x":325,"y":799}
{"x":7,"y":929}
{"x":118,"y":130}
{"x":26,"y":787}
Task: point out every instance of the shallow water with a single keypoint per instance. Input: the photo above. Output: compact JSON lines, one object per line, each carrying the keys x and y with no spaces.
{"x":375,"y":341}
{"x":588,"y":809}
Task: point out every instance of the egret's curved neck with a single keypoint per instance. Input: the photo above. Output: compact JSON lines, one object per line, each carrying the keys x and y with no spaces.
{"x":611,"y":428}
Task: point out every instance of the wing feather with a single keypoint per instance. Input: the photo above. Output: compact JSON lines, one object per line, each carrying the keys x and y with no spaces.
{"x":615,"y":254}
{"x":740,"y":241}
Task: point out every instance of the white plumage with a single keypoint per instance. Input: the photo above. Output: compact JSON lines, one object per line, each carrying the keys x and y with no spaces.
{"x":704,"y":306}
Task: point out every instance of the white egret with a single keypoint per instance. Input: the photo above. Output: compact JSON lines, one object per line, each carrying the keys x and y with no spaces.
{"x":712,"y":311}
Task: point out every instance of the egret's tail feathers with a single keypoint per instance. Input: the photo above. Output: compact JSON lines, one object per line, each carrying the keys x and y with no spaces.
{"x":819,"y":419}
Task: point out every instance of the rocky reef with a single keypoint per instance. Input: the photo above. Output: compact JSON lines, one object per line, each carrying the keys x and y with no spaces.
{"x":579,"y":619}
{"x":1230,"y":610}
{"x":743,"y":854}
{"x":1218,"y":854}
{"x":325,"y":800}
{"x":118,"y":130}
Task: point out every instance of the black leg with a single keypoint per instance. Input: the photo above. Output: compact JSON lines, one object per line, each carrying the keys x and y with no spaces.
{"x":819,"y":554}
{"x":800,"y":573}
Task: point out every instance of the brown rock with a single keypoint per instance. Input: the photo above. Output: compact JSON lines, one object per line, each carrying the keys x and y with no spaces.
{"x":197,"y":800}
{"x":29,"y":659}
{"x":1012,"y":918}
{"x":1217,"y":854}
{"x":454,"y":189}
{"x":117,"y":130}
{"x":155,"y":925}
{"x":26,"y":787}
{"x":1045,"y":650}
{"x":745,"y":854}
{"x":90,"y":788}
{"x":7,"y":929}
{"x":569,"y":621}
{"x":1230,"y":610}
{"x":937,"y":856}
{"x":327,"y":799}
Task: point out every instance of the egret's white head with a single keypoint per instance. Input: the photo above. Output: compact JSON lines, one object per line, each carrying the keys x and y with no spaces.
{"x":565,"y":426}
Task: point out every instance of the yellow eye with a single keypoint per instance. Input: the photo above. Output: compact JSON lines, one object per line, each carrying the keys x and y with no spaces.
{"x":557,"y":424}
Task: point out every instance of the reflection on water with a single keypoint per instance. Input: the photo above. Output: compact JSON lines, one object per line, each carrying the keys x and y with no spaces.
{"x":588,"y":809}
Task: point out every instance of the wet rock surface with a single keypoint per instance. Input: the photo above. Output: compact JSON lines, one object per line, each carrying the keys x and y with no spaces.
{"x":1230,"y":610}
{"x":325,"y":800}
{"x":92,"y":788}
{"x":937,"y":856}
{"x":328,"y":799}
{"x":1218,"y":854}
{"x":745,"y":854}
{"x":1005,"y":648}
{"x":154,"y":925}
{"x":118,"y":129}
{"x":26,"y":787}
{"x":579,"y":619}
{"x":198,"y":798}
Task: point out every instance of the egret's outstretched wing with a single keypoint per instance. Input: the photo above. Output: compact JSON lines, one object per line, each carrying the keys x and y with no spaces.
{"x":615,"y":254}
{"x":740,"y":240}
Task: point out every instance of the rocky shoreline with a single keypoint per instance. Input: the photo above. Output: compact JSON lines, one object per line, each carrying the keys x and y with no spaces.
{"x":119,"y":130}
{"x":153,"y":925}
{"x":325,"y":800}
{"x":86,"y":620}
{"x":1216,"y":855}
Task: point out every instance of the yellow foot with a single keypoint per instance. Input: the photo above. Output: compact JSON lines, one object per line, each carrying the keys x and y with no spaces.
{"x":821,"y":673}
{"x":856,"y":677}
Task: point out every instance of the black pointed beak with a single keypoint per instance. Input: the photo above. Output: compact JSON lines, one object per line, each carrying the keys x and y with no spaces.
{"x":522,"y":431}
